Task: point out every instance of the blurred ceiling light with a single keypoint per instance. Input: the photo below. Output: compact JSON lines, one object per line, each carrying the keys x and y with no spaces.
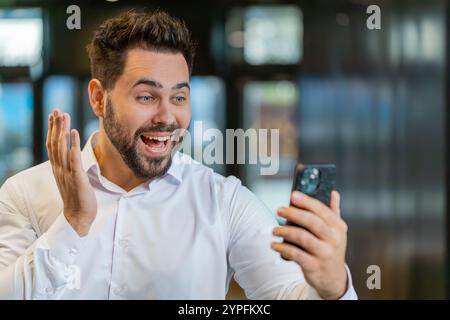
{"x":432,"y":39}
{"x":21,"y":33}
{"x":411,"y":43}
{"x":273,"y":35}
{"x":236,"y":39}
{"x":281,"y":93}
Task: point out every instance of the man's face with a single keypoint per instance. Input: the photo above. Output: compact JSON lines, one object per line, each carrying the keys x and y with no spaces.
{"x":150,"y":100}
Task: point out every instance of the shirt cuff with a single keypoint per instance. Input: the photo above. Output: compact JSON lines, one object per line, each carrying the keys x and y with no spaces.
{"x":62,"y":241}
{"x":350,"y":294}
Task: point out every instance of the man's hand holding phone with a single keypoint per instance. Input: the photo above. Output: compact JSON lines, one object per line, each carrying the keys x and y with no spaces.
{"x":316,"y":239}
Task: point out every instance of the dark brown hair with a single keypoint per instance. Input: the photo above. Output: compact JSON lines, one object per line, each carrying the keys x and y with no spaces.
{"x":156,"y":31}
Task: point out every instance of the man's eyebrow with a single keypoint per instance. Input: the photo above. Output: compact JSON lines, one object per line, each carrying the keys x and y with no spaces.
{"x":181,"y":85}
{"x":156,"y":84}
{"x":148,"y":82}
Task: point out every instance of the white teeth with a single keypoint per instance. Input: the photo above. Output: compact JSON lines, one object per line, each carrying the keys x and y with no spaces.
{"x":157,"y":138}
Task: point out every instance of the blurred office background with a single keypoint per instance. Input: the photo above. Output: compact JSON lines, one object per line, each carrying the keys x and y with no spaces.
{"x":372,"y":101}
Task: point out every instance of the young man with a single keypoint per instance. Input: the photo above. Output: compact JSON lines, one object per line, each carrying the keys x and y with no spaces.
{"x":128,"y":218}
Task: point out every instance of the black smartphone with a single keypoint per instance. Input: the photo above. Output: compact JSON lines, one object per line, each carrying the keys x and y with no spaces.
{"x":314,"y":180}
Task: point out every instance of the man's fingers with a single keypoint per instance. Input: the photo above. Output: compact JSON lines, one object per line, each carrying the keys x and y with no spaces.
{"x":291,"y":252}
{"x":49,"y":137}
{"x":64,"y":140}
{"x":301,"y":200}
{"x":75,"y":153}
{"x":55,"y":137}
{"x":335,"y":202}
{"x":302,"y":238}
{"x":67,"y":140}
{"x":307,"y":220}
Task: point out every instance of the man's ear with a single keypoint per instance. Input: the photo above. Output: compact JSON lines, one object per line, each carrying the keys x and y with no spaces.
{"x":97,"y":97}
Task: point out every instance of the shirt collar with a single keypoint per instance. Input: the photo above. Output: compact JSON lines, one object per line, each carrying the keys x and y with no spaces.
{"x":176,"y":167}
{"x":90,"y":162}
{"x":88,"y":158}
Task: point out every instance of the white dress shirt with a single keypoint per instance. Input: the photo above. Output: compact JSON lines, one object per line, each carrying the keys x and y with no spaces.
{"x":181,"y":236}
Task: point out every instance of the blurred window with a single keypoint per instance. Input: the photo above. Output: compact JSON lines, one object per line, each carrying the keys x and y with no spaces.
{"x":16,"y":128}
{"x":272,"y":105}
{"x":208,"y":106}
{"x":59,"y":91}
{"x":273,"y":35}
{"x":20,"y":37}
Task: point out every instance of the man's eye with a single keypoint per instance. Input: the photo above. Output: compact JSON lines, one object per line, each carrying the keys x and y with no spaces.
{"x":180,"y":99}
{"x":145,"y":98}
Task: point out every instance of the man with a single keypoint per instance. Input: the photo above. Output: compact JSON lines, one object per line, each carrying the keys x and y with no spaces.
{"x":128,"y":218}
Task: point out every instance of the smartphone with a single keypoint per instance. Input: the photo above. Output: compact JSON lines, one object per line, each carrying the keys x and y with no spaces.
{"x":314,"y":180}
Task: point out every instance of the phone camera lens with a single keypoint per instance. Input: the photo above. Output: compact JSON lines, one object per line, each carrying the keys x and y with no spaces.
{"x":310,"y":180}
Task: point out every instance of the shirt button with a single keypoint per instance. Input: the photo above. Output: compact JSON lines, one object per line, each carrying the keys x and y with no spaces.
{"x":123,"y":243}
{"x":68,"y":273}
{"x":73,"y":251}
{"x":120,"y":290}
{"x":49,"y":290}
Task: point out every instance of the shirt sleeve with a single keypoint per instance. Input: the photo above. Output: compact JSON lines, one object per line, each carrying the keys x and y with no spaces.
{"x":33,"y":267}
{"x":258,"y":269}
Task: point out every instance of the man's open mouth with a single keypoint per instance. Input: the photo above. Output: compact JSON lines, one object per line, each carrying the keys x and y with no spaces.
{"x":156,"y":143}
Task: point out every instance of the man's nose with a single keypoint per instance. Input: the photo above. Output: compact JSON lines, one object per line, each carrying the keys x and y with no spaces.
{"x":163,"y":114}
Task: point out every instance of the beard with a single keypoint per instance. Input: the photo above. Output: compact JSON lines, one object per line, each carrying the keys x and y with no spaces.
{"x":143,"y":166}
